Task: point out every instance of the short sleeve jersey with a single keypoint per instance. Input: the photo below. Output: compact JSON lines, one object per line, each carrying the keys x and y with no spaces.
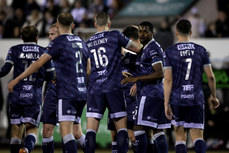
{"x":105,"y":56}
{"x":69,"y":54}
{"x":187,"y":61}
{"x":150,"y":55}
{"x":29,"y":90}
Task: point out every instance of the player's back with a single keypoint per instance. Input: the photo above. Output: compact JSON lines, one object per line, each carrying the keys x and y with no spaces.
{"x":105,"y":55}
{"x":27,"y":90}
{"x":69,"y":56}
{"x":187,"y":60}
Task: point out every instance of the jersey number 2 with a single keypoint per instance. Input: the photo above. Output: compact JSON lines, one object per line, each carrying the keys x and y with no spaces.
{"x":79,"y":62}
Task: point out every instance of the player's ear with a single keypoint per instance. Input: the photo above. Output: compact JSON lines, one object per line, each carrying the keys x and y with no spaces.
{"x":176,"y":32}
{"x":73,"y":26}
{"x":37,"y":39}
{"x":109,"y":24}
{"x":190,"y":33}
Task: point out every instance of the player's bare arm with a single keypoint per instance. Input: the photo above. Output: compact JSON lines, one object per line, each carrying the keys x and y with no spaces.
{"x":34,"y":67}
{"x":167,"y":91}
{"x":157,"y":74}
{"x":88,"y":66}
{"x":133,"y":90}
{"x":134,"y":46}
{"x":212,"y":85}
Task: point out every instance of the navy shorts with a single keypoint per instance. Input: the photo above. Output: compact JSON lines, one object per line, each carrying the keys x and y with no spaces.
{"x":49,"y":110}
{"x":131,"y":104}
{"x":151,"y":112}
{"x":188,"y":116}
{"x":70,"y":110}
{"x":131,"y":108}
{"x":25,"y":114}
{"x":79,"y":112}
{"x":114,"y":101}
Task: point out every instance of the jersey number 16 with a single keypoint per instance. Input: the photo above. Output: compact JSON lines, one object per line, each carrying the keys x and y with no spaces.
{"x":100,"y":59}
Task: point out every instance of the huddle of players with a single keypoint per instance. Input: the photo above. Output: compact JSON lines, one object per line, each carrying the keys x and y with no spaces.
{"x":100,"y":58}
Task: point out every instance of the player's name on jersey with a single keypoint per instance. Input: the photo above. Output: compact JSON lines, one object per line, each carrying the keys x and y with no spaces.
{"x":97,"y":42}
{"x":187,"y":53}
{"x":30,"y":49}
{"x":29,"y":56}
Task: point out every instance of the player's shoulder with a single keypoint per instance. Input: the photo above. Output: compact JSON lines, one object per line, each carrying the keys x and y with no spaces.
{"x":153,"y":45}
{"x":114,"y":32}
{"x":170,"y":48}
{"x":198,"y":46}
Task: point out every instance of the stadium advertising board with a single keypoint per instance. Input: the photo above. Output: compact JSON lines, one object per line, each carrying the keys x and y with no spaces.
{"x":155,"y":7}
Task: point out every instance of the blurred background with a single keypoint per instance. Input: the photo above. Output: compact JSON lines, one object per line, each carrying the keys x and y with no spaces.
{"x":210,"y":28}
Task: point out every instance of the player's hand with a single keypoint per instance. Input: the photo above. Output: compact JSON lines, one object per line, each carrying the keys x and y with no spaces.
{"x":126,"y":74}
{"x":133,"y":90}
{"x":215,"y":102}
{"x":11,"y":85}
{"x":54,"y":82}
{"x":129,"y":80}
{"x":168,"y":112}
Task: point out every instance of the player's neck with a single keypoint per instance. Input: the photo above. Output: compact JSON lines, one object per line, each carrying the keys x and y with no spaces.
{"x":99,"y":29}
{"x":64,"y":31}
{"x":182,"y":39}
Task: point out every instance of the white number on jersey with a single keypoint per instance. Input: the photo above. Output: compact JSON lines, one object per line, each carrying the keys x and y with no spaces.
{"x":100,"y":59}
{"x":79,"y":62}
{"x":30,"y":78}
{"x":189,"y":61}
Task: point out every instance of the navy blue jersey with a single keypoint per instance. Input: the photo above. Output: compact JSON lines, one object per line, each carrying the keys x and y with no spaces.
{"x":69,"y":54}
{"x":187,"y":61}
{"x":105,"y":55}
{"x":150,"y":55}
{"x":28,"y":90}
{"x":128,"y":63}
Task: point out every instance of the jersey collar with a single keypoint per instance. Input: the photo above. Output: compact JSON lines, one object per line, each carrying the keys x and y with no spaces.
{"x":66,"y":34}
{"x":30,"y":43}
{"x":148,"y":43}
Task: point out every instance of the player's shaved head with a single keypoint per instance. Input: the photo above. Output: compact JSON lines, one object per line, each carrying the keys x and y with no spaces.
{"x":147,"y":24}
{"x":29,"y":34}
{"x":102,"y":19}
{"x":184,"y":26}
{"x":65,"y":19}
